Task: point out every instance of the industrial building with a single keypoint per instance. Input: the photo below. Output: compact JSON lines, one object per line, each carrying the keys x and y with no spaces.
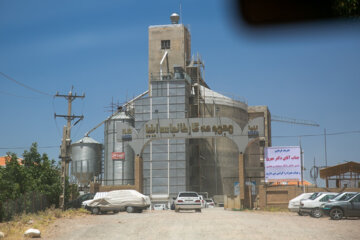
{"x":188,"y":136}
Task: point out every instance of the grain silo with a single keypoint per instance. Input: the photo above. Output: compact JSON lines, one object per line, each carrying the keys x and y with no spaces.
{"x":86,"y":157}
{"x":118,"y":156}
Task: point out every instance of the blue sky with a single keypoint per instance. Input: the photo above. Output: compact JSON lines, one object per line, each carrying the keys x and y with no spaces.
{"x":305,"y":71}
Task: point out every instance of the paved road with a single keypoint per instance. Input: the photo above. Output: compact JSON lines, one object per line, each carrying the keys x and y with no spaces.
{"x":210,"y":224}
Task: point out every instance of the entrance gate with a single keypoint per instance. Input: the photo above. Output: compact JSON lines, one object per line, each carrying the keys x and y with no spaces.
{"x":190,"y":128}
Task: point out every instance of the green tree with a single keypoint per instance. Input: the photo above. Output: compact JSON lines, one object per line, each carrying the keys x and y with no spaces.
{"x":44,"y":174}
{"x":13,"y":179}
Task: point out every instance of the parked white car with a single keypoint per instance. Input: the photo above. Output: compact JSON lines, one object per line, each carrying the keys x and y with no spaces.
{"x":210,"y":203}
{"x":118,"y":200}
{"x":294,"y":204}
{"x":313,"y":206}
{"x":188,"y":201}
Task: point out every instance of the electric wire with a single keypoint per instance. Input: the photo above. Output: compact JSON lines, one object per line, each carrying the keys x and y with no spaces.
{"x":320,"y":134}
{"x":14,"y":95}
{"x":2,"y":148}
{"x":23,"y":85}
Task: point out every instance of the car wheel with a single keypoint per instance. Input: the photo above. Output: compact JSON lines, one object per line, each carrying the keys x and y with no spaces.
{"x":316,"y":213}
{"x":336,"y":214}
{"x":300,"y":214}
{"x":95,"y":211}
{"x":130,"y":209}
{"x":198,"y":210}
{"x":115,"y":211}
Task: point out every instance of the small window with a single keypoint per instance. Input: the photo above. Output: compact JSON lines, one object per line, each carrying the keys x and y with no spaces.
{"x":165,"y":44}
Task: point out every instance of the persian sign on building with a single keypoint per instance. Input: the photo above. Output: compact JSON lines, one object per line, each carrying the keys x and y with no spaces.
{"x":282,"y":163}
{"x":117,"y":155}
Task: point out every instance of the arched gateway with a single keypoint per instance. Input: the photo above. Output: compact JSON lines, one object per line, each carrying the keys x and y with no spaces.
{"x":190,"y":128}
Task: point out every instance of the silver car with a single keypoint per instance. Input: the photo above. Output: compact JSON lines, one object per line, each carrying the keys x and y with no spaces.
{"x":188,"y":201}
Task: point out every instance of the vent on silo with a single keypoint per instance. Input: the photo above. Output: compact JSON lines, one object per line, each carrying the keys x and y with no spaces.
{"x":174,"y":18}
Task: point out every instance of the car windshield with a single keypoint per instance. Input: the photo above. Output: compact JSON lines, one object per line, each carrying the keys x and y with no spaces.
{"x":337,"y":195}
{"x":188,"y":194}
{"x":314,"y":196}
{"x":346,"y":196}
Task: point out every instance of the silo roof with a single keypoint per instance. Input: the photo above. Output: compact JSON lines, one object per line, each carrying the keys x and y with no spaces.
{"x":121,"y":115}
{"x":87,"y":140}
{"x":211,"y":97}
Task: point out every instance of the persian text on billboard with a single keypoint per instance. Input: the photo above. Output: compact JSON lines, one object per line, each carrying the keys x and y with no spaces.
{"x":282,"y":163}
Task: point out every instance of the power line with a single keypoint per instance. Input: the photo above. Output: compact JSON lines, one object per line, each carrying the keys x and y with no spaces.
{"x":28,"y":147}
{"x":23,"y":85}
{"x":320,"y":134}
{"x":14,"y":95}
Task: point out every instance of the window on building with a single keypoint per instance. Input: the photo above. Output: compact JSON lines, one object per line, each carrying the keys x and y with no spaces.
{"x":165,"y":44}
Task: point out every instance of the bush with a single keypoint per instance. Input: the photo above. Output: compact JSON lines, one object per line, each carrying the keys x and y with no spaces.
{"x":29,"y":186}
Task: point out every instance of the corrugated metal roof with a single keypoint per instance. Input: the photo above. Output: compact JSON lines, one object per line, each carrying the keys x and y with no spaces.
{"x":340,"y":169}
{"x":121,"y":115}
{"x":212,"y":96}
{"x":87,"y":140}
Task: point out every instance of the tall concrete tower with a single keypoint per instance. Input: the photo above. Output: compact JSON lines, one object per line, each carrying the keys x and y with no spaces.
{"x":169,"y":46}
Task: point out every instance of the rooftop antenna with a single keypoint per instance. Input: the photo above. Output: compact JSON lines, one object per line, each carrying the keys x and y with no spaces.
{"x":180,"y":14}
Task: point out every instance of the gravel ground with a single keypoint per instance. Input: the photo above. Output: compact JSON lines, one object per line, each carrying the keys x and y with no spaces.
{"x":213,"y":223}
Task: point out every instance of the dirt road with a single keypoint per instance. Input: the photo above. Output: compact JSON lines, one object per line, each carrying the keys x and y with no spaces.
{"x":210,"y":224}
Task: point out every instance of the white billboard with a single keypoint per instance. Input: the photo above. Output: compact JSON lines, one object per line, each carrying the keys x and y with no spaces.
{"x":282,"y":163}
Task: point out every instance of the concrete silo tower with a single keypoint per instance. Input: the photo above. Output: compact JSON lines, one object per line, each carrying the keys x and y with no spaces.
{"x":169,"y":46}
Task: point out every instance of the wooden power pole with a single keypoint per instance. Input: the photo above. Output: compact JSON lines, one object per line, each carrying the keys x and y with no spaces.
{"x":66,"y":142}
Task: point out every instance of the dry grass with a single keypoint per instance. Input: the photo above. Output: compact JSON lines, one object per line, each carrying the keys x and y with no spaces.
{"x":276,"y":209}
{"x":15,"y":229}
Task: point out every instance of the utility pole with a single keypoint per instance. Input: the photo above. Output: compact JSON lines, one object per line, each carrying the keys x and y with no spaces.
{"x":302,"y":165}
{"x":66,"y":141}
{"x":325,"y":148}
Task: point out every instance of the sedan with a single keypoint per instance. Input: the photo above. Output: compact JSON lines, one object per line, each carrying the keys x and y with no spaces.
{"x":188,"y":201}
{"x":77,"y":202}
{"x":339,"y":209}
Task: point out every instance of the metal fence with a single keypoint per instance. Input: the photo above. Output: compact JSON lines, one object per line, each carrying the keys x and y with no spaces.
{"x":27,"y":203}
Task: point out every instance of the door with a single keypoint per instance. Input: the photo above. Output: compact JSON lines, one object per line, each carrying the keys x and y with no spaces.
{"x":354,"y":207}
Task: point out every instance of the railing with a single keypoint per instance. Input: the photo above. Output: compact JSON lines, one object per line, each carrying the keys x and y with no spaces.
{"x":116,"y":181}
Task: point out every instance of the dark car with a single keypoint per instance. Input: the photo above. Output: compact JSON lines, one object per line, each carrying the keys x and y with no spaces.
{"x":77,"y":202}
{"x":346,"y":208}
